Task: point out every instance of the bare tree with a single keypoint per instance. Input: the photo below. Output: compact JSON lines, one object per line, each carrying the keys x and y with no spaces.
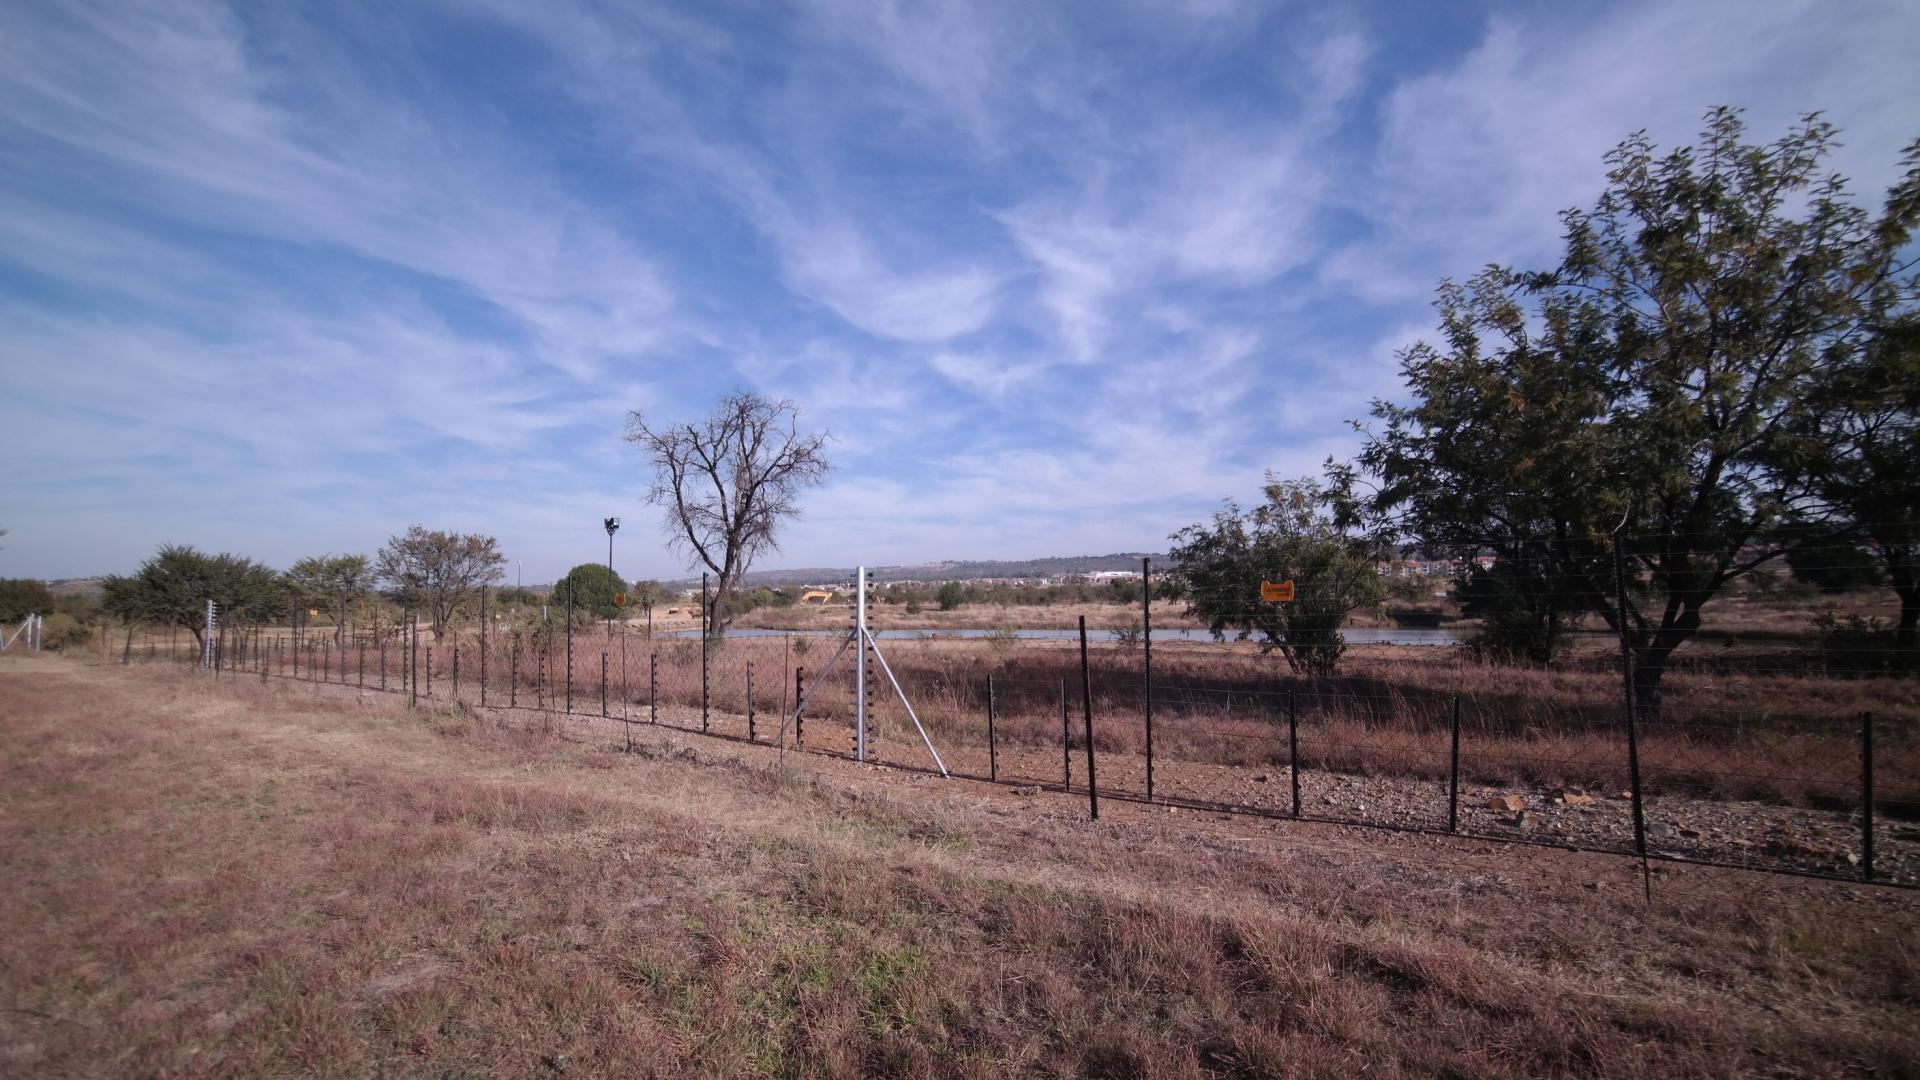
{"x":436,"y":571}
{"x":728,"y":481}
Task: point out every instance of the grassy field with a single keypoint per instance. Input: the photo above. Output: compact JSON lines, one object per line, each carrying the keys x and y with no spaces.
{"x":239,"y":879}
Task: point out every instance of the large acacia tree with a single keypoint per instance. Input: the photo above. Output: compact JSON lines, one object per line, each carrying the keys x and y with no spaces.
{"x":172,"y":588}
{"x":337,"y":582}
{"x":728,"y":482}
{"x":437,"y":571}
{"x":1658,"y":379}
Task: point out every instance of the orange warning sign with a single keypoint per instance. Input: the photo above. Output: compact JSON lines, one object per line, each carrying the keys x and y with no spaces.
{"x":1276,"y":592}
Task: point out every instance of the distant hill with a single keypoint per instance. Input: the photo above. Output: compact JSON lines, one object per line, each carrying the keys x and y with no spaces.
{"x":952,"y":570}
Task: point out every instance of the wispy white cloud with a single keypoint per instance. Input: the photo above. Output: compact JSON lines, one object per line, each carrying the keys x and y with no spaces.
{"x":1057,"y":278}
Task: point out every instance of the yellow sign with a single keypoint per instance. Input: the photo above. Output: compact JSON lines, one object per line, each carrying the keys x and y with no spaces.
{"x":619,"y":599}
{"x":1276,"y":592}
{"x":313,"y":612}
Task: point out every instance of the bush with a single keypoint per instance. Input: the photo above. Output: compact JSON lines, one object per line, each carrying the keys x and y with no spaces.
{"x":1853,"y":645}
{"x":21,"y":597}
{"x":62,"y":631}
{"x":913,"y":605}
{"x":952,"y":595}
{"x":594,"y":587}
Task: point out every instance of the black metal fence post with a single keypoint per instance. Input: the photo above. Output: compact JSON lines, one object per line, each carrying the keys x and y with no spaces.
{"x":383,"y":664}
{"x":750,"y":731}
{"x":1086,"y":704}
{"x":706,"y":632}
{"x":513,"y":675}
{"x":483,"y":646}
{"x":1293,"y":746}
{"x":429,"y":671}
{"x":326,"y":661}
{"x":1627,"y":702}
{"x":603,"y":683}
{"x":653,"y":688}
{"x":993,"y":750}
{"x":1866,"y":796}
{"x":799,"y":695}
{"x":1146,"y":659}
{"x":1453,"y":773}
{"x":1066,"y":743}
{"x":413,"y":664}
{"x":456,"y":671}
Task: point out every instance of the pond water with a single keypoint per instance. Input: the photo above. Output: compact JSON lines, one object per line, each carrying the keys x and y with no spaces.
{"x":1387,"y":635}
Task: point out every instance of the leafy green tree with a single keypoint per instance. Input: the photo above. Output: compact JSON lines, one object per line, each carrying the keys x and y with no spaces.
{"x":647,"y":594}
{"x":172,"y":588}
{"x":516,"y":596}
{"x":594,"y":587}
{"x":334,"y":582}
{"x":21,"y":597}
{"x":1655,"y":380}
{"x":1302,"y":532}
{"x":438,"y":571}
{"x":1862,"y":438}
{"x":1834,"y":562}
{"x":952,"y":595}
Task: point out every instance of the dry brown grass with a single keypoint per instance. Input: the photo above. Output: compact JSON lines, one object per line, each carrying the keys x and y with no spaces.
{"x":243,"y":880}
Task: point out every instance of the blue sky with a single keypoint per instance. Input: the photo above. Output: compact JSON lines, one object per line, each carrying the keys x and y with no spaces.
{"x":1058,"y":278}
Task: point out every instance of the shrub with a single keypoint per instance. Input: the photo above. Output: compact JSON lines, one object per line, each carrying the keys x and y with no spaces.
{"x":20,"y":597}
{"x":952,"y":595}
{"x":63,"y":631}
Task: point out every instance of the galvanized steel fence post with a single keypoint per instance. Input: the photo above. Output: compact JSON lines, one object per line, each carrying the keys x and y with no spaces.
{"x":1146,"y":659}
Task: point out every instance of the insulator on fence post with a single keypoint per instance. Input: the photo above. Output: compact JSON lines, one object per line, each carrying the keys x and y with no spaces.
{"x":653,"y":688}
{"x":513,"y":675}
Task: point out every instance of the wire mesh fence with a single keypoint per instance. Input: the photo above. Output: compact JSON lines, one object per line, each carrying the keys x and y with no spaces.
{"x":1779,"y":736}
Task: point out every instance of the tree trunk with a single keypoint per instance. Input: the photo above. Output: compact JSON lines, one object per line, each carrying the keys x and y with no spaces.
{"x":1907,"y":636}
{"x":716,"y":613}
